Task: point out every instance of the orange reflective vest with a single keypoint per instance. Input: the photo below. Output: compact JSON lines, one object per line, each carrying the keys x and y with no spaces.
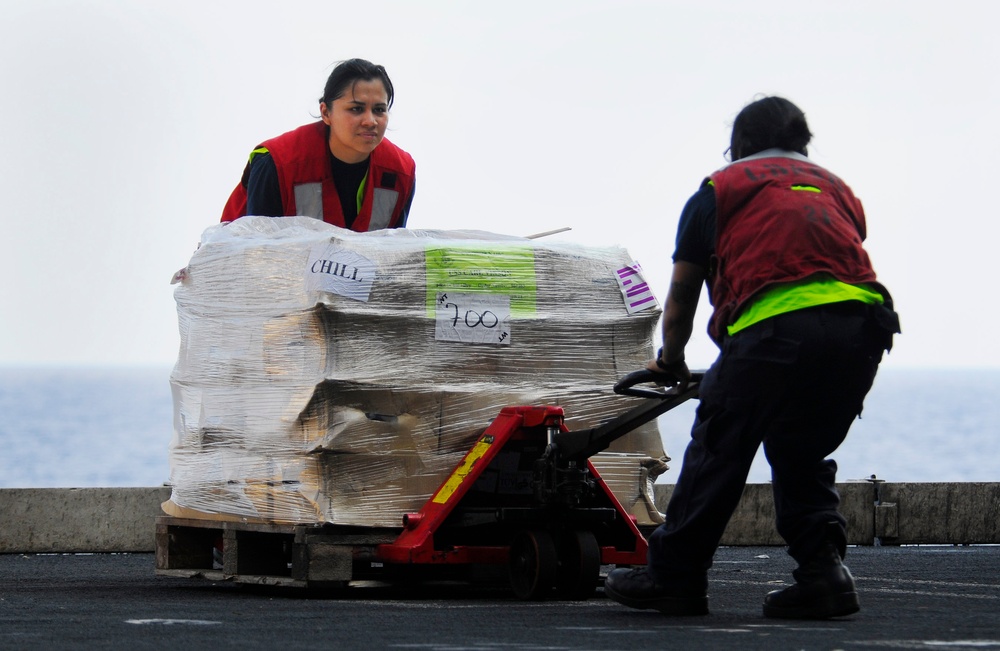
{"x":301,"y":158}
{"x":780,"y":220}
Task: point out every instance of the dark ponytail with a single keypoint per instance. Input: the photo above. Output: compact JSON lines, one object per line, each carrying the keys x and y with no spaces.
{"x":771,"y":122}
{"x":348,"y":72}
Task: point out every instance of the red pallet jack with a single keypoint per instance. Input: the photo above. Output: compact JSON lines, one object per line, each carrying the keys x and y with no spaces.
{"x":527,"y":496}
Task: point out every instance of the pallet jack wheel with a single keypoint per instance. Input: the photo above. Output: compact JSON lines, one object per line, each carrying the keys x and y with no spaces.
{"x":533,"y":564}
{"x":579,"y":565}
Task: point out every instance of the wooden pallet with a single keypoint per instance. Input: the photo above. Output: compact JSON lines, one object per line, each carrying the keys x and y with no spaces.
{"x":268,"y":554}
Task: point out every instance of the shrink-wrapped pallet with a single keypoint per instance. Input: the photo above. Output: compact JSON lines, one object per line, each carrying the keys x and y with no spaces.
{"x":332,"y":376}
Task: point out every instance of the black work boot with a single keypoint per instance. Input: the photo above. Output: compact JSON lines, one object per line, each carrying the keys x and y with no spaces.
{"x":823,"y":588}
{"x":637,"y":588}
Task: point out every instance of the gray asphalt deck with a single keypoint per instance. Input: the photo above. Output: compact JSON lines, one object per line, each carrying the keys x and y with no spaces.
{"x":926,"y":597}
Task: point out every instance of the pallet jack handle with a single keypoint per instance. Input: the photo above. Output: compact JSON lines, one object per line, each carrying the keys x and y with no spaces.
{"x":578,"y":446}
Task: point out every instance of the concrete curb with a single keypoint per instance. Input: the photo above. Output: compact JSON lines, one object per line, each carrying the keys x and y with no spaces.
{"x":102,"y":520}
{"x":41,"y":520}
{"x":877,"y":512}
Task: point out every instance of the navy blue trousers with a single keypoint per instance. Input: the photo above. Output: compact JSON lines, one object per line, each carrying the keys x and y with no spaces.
{"x":794,"y":383}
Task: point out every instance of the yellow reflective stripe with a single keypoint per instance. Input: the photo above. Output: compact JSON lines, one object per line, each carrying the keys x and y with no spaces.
{"x":811,"y":292}
{"x":361,"y":191}
{"x":806,"y":188}
{"x":259,"y":150}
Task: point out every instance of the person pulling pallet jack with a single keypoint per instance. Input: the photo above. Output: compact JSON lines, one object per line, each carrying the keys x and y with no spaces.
{"x":802,"y":324}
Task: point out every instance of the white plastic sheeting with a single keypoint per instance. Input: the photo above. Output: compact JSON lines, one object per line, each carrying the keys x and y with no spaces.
{"x":332,"y":376}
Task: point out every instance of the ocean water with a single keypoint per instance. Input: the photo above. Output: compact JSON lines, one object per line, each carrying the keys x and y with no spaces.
{"x":104,"y":427}
{"x":917,"y":426}
{"x":84,"y":427}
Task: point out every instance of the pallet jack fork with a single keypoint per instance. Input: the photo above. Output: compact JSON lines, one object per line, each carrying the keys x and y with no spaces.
{"x":526,"y":495}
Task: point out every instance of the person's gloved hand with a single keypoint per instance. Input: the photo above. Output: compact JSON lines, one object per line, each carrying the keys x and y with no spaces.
{"x":670,"y":374}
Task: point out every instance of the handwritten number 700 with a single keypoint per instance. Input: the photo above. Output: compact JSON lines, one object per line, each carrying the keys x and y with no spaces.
{"x":473,"y":319}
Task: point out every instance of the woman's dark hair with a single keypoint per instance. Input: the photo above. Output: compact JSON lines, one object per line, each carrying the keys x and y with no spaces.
{"x":766,"y":123}
{"x":348,"y":72}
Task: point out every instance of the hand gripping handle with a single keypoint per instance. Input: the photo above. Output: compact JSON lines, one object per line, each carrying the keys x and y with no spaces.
{"x":627,"y":385}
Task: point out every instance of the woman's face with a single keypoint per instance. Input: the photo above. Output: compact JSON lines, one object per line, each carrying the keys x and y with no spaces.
{"x":357,"y":120}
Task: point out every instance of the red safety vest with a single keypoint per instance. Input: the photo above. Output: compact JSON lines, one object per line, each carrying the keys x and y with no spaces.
{"x":301,"y":158}
{"x":780,"y":220}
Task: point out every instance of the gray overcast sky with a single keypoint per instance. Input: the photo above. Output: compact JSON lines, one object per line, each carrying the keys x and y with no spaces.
{"x":126,"y":124}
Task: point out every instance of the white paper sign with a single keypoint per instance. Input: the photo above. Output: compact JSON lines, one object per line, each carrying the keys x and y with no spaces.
{"x":334,"y":270}
{"x":637,"y":294}
{"x":473,"y":318}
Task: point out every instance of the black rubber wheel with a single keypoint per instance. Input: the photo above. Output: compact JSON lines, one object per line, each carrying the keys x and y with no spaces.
{"x":579,"y":565}
{"x":532,"y":564}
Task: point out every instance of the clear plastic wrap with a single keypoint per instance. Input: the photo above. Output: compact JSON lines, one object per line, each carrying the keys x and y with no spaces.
{"x":332,"y":376}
